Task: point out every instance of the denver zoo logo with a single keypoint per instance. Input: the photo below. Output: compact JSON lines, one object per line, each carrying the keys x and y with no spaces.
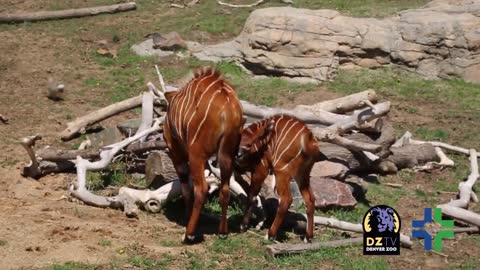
{"x":381,"y":231}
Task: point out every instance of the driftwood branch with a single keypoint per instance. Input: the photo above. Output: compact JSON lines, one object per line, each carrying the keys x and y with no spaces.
{"x":80,"y":123}
{"x":338,"y":123}
{"x":359,"y":117}
{"x":457,"y":208}
{"x":240,"y":6}
{"x":343,"y":104}
{"x":284,"y":249}
{"x":407,"y":139}
{"x":50,"y":154}
{"x":79,"y":189}
{"x":68,"y":13}
{"x":317,"y":117}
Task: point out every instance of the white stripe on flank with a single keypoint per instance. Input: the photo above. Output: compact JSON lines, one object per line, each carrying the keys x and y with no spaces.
{"x":298,"y":154}
{"x":282,"y":136}
{"x":230,"y":88}
{"x":191,"y":95}
{"x":277,"y":134}
{"x":286,"y":148}
{"x":205,"y":116}
{"x":183,"y":111}
{"x":199,"y":101}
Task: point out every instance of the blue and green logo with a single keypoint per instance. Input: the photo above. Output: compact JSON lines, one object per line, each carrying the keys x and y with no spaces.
{"x":427,"y":238}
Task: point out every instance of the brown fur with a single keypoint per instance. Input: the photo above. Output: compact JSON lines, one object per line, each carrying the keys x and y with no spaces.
{"x":284,"y":145}
{"x":203,"y":118}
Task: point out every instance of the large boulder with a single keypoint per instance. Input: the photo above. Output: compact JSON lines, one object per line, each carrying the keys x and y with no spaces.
{"x":436,"y":41}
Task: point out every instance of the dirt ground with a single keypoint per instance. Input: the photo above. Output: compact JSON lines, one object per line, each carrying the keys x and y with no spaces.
{"x":38,"y":227}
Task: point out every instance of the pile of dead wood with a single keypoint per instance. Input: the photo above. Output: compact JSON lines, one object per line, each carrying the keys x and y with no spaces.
{"x":354,"y":131}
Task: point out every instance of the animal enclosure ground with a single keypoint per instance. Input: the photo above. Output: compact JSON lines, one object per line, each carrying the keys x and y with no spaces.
{"x":39,"y":230}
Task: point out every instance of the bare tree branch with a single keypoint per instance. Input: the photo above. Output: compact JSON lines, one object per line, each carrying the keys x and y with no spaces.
{"x":240,"y":6}
{"x":68,"y":13}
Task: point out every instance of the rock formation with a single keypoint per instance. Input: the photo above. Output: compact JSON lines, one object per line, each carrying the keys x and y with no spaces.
{"x":439,"y":40}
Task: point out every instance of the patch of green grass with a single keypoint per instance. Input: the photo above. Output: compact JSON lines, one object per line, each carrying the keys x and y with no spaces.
{"x":213,"y":206}
{"x":467,"y":264}
{"x":379,"y":194}
{"x":125,"y":73}
{"x":406,"y":175}
{"x":336,"y":256}
{"x":429,"y":197}
{"x":105,"y":242}
{"x":263,"y":91}
{"x":390,"y":82}
{"x":361,"y":8}
{"x":351,"y":215}
{"x":72,"y":266}
{"x":91,"y":82}
{"x":233,"y":244}
{"x":111,"y":176}
{"x":447,"y":107}
{"x":197,"y":262}
{"x":150,"y":264}
{"x":431,"y":134}
{"x":446,"y":184}
{"x":170,"y":243}
{"x":3,"y":242}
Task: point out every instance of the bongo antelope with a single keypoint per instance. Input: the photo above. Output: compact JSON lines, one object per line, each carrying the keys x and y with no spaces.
{"x":203,"y":119}
{"x":284,"y":145}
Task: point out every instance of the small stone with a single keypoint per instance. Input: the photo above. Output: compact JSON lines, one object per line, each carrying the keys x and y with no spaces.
{"x":168,"y":42}
{"x":145,"y":48}
{"x":129,"y":127}
{"x":105,"y":137}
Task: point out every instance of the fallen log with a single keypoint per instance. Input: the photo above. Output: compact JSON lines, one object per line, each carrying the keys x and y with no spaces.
{"x":68,"y":13}
{"x":407,"y":156}
{"x":407,"y":139}
{"x":240,"y":6}
{"x":276,"y":250}
{"x":60,"y":155}
{"x":343,"y":104}
{"x":359,"y":117}
{"x":76,"y":126}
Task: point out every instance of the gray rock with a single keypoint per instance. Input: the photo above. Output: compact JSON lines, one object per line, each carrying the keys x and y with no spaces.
{"x":145,"y":48}
{"x":159,"y":169}
{"x":168,"y":42}
{"x":129,"y":127}
{"x":105,"y":137}
{"x":438,"y":40}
